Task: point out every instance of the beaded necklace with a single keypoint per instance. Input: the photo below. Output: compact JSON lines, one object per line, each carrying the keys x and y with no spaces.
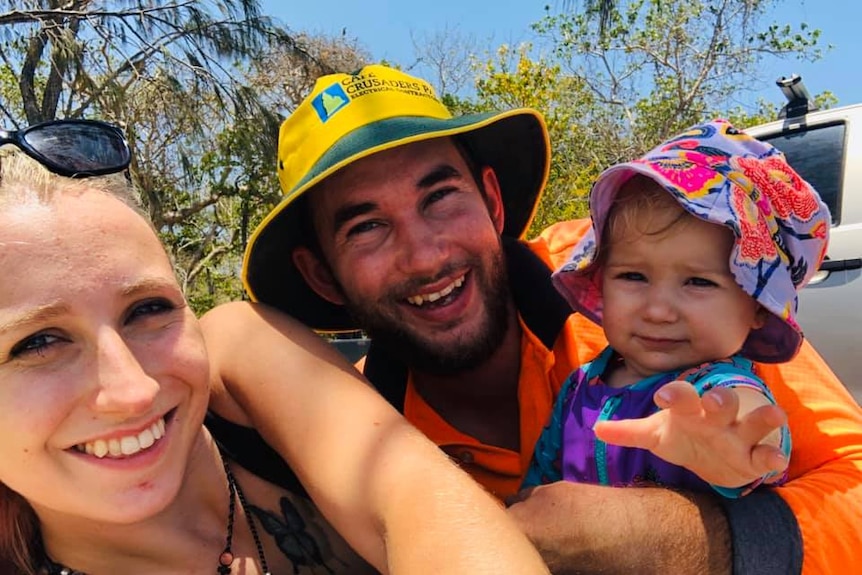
{"x":225,"y":559}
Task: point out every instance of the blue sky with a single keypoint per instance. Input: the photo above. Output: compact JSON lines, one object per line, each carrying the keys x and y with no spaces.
{"x":384,"y":27}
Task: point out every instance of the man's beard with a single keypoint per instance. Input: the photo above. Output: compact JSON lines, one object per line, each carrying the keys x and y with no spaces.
{"x":423,"y":355}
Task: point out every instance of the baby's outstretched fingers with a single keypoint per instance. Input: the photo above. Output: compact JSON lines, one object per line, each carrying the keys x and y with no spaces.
{"x":761,"y":422}
{"x":644,"y":433}
{"x":768,"y":459}
{"x":720,"y":406}
{"x":679,"y":396}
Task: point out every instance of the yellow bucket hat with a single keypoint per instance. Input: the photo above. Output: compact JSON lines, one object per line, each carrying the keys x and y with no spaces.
{"x":348,"y":117}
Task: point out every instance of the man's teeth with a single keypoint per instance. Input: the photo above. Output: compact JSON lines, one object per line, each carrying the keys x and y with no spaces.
{"x":422,"y":299}
{"x":124,"y":446}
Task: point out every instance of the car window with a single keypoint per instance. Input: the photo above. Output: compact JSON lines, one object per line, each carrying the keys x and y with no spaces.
{"x":818,"y":155}
{"x":353,"y":349}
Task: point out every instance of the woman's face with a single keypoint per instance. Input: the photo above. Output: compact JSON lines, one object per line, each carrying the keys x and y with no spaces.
{"x":103,"y":371}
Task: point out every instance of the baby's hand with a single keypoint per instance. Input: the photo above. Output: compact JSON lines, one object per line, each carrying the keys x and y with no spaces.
{"x":713,"y":436}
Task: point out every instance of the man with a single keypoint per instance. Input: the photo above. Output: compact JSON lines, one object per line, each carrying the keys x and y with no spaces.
{"x":406,"y":222}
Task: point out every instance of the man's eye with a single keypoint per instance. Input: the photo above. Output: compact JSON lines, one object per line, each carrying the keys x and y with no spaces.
{"x":37,"y":344}
{"x":438,"y":195}
{"x":362,"y":227}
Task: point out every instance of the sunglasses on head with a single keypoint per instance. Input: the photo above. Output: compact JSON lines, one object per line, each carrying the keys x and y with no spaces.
{"x":73,"y":148}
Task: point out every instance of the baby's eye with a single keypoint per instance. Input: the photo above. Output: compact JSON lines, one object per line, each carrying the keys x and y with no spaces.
{"x":701,"y":282}
{"x":631,"y":276}
{"x":36,"y":344}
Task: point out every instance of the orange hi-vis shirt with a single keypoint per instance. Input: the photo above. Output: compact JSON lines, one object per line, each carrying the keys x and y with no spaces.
{"x":543,"y":372}
{"x":824,"y":489}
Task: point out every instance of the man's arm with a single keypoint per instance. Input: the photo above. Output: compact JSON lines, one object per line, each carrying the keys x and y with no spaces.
{"x":584,"y":528}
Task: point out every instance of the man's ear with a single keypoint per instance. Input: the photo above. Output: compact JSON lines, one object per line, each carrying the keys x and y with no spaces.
{"x":493,"y":198}
{"x":317,"y":275}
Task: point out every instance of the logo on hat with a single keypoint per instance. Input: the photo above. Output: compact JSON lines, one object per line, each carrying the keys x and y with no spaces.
{"x":330,"y":101}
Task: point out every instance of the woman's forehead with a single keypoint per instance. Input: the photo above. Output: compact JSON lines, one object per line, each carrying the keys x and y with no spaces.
{"x":67,"y":208}
{"x":93,"y":231}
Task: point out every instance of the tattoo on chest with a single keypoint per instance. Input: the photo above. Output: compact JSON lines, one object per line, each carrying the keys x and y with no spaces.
{"x":295,"y":539}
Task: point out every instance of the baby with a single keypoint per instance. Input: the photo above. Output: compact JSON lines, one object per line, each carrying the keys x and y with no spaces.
{"x":693,"y":265}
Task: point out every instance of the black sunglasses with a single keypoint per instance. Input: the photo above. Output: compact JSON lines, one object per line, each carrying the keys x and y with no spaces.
{"x":73,"y":148}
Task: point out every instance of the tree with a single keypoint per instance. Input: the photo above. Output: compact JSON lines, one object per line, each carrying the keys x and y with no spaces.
{"x":664,"y":64}
{"x":283,"y":78}
{"x":446,"y":58}
{"x":513,"y":80}
{"x":600,"y":9}
{"x":167,"y":71}
{"x":179,"y":76}
{"x":656,"y":68}
{"x":239,"y":164}
{"x":75,"y":57}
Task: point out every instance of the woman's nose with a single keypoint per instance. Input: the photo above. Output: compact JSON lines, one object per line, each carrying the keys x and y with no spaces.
{"x":123,"y":386}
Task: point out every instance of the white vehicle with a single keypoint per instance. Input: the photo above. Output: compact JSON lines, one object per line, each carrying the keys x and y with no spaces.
{"x":825,"y":147}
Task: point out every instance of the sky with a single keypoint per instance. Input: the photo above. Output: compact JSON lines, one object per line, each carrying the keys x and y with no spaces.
{"x":386,"y":27}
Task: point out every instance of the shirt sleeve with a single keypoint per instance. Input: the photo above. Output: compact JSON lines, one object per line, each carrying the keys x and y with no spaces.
{"x":765,"y":535}
{"x":545,"y":466}
{"x":824,"y":488}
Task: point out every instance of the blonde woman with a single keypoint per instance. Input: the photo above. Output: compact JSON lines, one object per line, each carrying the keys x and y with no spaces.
{"x":106,"y":466}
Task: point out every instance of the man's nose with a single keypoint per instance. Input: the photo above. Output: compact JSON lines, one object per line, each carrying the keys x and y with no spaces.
{"x":123,"y":386}
{"x":422,"y":249}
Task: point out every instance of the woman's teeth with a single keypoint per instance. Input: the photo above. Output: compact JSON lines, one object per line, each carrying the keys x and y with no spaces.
{"x":124,"y":446}
{"x":422,"y":299}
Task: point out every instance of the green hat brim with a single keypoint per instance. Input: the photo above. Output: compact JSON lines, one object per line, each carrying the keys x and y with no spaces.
{"x":514,"y":143}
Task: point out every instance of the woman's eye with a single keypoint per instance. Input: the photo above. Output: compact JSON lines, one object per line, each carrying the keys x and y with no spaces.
{"x":37,"y":344}
{"x":150,"y":307}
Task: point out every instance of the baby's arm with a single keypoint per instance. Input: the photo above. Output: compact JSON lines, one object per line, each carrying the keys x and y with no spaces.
{"x":734,"y":436}
{"x":545,"y":465}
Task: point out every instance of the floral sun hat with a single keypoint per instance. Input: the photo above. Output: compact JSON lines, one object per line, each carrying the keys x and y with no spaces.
{"x":721,"y":175}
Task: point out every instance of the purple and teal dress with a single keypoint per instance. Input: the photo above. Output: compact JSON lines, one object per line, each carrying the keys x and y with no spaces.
{"x":569,"y":450}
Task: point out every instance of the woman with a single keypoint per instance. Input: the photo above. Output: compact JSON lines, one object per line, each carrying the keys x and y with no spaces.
{"x":106,"y":466}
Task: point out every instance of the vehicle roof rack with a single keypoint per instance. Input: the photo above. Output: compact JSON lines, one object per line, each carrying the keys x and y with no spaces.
{"x":799,"y":101}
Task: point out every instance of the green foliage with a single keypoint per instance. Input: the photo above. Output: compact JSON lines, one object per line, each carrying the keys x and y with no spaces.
{"x":514,"y":80}
{"x":172,"y":73}
{"x":653,"y":68}
{"x":200,"y":87}
{"x":10,"y":95}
